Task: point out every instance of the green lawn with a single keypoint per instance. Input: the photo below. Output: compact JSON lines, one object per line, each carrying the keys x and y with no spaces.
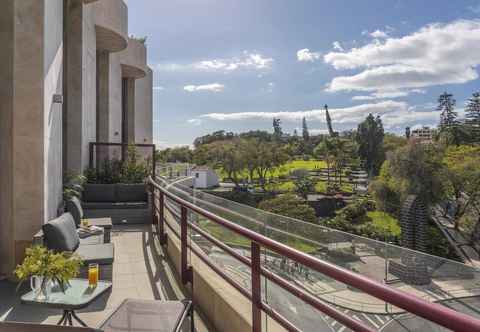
{"x":286,"y":168}
{"x":385,"y":222}
{"x":230,"y":238}
{"x":299,"y":164}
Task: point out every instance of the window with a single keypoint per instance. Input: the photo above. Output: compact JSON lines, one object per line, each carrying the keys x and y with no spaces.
{"x":197,"y":175}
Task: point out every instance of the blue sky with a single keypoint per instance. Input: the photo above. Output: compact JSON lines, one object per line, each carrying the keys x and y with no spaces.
{"x":235,"y":64}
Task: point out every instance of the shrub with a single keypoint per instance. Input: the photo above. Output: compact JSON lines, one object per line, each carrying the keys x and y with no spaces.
{"x":110,"y":171}
{"x":289,"y":205}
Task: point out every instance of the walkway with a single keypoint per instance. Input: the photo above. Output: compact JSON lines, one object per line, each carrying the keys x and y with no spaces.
{"x":462,"y":246}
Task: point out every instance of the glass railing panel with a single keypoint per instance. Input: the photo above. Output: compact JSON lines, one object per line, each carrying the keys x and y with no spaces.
{"x":436,"y":279}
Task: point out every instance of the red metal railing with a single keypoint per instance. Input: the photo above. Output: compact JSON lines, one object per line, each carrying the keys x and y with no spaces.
{"x":436,"y":313}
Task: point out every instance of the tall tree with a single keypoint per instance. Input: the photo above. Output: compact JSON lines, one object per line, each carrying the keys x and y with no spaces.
{"x":305,"y":133}
{"x":329,"y":122}
{"x":450,"y":130}
{"x":448,"y":116}
{"x":277,"y":129}
{"x":407,"y":132}
{"x":472,"y":111}
{"x":369,"y":138}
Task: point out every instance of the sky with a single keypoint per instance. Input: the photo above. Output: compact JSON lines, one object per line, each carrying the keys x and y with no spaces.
{"x":234,"y":65}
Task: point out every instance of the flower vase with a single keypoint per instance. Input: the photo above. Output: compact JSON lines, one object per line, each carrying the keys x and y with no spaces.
{"x":41,"y":286}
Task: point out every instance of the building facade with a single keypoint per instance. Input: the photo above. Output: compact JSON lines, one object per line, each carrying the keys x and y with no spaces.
{"x":204,"y":177}
{"x":424,"y":134}
{"x":70,"y":75}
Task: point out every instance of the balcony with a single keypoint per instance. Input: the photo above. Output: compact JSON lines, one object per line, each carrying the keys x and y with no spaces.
{"x":111,"y":24}
{"x":231,"y":260}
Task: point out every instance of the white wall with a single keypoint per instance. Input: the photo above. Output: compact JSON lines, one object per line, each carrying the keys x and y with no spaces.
{"x":53,"y":72}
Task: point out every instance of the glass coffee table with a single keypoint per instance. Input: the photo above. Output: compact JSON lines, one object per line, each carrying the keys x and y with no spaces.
{"x":77,"y":296}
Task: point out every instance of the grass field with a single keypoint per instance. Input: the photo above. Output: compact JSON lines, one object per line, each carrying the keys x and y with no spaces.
{"x":286,"y":168}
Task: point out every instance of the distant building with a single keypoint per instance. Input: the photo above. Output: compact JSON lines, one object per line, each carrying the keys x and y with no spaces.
{"x":424,"y":134}
{"x":204,"y":177}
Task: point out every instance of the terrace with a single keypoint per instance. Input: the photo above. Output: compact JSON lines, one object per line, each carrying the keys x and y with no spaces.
{"x":259,"y":284}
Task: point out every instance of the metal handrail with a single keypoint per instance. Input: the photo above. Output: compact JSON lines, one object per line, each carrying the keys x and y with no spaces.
{"x":436,"y":313}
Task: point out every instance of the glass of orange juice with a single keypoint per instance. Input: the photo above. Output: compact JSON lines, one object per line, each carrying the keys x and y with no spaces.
{"x":93,"y":271}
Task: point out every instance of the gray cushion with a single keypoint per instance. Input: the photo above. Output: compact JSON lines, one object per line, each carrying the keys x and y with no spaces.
{"x":102,"y":254}
{"x":99,"y":193}
{"x":131,"y":192}
{"x":74,"y":206}
{"x":60,"y":234}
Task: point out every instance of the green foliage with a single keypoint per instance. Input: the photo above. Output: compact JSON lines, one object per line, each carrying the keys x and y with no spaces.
{"x":72,"y":185}
{"x":360,"y":219}
{"x":181,"y":154}
{"x":415,"y":169}
{"x":391,"y":142}
{"x":461,"y":177}
{"x":304,"y":186}
{"x":369,"y":138}
{"x":289,"y":205}
{"x":39,"y":261}
{"x":110,"y":171}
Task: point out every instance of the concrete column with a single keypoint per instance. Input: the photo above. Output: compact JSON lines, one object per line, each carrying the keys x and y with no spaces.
{"x":130,"y":109}
{"x":73,"y":87}
{"x":143,"y":108}
{"x":22,"y":143}
{"x":103,"y":96}
{"x":79,"y":125}
{"x":7,"y":244}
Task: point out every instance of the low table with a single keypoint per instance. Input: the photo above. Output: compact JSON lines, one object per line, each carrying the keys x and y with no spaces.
{"x":105,"y":223}
{"x":77,"y":296}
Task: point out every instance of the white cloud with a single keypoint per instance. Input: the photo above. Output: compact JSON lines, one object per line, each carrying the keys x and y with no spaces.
{"x":352,"y":114}
{"x":307,"y":56}
{"x":212,"y":87}
{"x":379,"y":34}
{"x":195,"y":122}
{"x":337,"y":46}
{"x":158,"y":88}
{"x":386,"y":94}
{"x":436,"y":54}
{"x":248,"y":60}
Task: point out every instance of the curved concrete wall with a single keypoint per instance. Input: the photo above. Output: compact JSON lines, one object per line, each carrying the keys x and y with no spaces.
{"x":144,"y":108}
{"x":134,"y":59}
{"x":111,"y":24}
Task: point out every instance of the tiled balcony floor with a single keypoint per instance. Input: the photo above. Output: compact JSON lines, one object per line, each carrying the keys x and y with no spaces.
{"x":140,"y":271}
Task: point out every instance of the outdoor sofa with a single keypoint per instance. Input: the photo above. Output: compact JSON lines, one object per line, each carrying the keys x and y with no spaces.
{"x":123,"y":203}
{"x":131,"y":315}
{"x":61,"y":235}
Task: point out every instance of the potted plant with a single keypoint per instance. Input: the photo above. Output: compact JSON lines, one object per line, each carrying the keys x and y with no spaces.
{"x":45,"y":268}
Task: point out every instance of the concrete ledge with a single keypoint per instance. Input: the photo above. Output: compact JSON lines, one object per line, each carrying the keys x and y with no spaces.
{"x":133,"y":59}
{"x":111,"y":25}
